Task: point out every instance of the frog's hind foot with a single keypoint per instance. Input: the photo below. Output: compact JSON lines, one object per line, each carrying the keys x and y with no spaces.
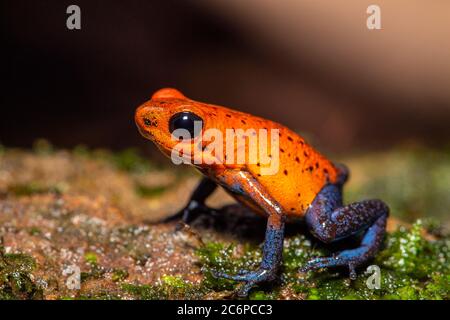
{"x":334,"y":261}
{"x":355,"y":257}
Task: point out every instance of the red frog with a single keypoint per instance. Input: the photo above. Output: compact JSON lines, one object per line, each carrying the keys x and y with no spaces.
{"x":305,"y":183}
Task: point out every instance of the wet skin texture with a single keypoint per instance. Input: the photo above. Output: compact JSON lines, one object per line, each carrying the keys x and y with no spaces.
{"x":306,"y":185}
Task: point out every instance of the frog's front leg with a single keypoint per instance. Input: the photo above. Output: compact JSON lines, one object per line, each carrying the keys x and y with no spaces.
{"x":246,"y":185}
{"x":196,"y":204}
{"x":329,"y":221}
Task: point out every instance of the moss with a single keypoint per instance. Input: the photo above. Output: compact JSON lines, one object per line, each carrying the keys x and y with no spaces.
{"x":130,"y":160}
{"x":261,"y":295}
{"x":119,"y":275}
{"x":173,"y":281}
{"x":95,"y":271}
{"x":91,"y":258}
{"x":34,"y":231}
{"x":144,"y":292}
{"x":81,"y":150}
{"x":223,"y":258}
{"x":171,"y":287}
{"x":438,"y":288}
{"x":32,"y":188}
{"x":43,"y":147}
{"x":150,"y":192}
{"x":409,"y":253}
{"x":101,"y":295}
{"x":16,"y":278}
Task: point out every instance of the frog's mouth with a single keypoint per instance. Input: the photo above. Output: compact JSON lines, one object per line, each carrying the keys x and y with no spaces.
{"x":177,"y":156}
{"x":145,"y":133}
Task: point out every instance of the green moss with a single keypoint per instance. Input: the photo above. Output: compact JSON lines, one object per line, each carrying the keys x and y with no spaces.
{"x":101,"y":295}
{"x":119,"y":275}
{"x":144,"y":292}
{"x":95,"y":271}
{"x":438,"y":288}
{"x":222,"y":258}
{"x":150,"y":192}
{"x":43,"y":147}
{"x":15,"y":277}
{"x":91,"y":258}
{"x":171,"y":287}
{"x":409,"y":253}
{"x":32,"y":188}
{"x":173,"y":281}
{"x":131,"y":161}
{"x":128,"y":160}
{"x":81,"y":150}
{"x":34,"y":231}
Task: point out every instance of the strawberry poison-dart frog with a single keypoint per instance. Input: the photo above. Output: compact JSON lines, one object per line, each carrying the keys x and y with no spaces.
{"x":305,"y":184}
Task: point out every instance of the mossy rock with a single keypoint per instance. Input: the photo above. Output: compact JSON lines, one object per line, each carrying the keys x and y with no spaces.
{"x":16,"y":280}
{"x":89,"y":208}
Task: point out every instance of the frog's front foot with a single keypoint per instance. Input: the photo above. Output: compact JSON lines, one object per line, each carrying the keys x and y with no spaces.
{"x":196,"y":205}
{"x":190,"y":212}
{"x":251,"y":278}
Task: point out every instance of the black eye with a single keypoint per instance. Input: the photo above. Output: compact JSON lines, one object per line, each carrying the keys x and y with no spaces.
{"x":188,"y":121}
{"x":147,"y":122}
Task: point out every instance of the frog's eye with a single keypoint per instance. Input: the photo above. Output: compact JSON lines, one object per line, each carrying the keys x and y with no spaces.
{"x":188,"y":121}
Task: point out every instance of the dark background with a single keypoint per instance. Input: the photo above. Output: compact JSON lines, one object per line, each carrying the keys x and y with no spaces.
{"x":314,"y":67}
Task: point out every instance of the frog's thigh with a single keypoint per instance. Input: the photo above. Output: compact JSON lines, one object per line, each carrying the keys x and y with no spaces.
{"x":329,"y":220}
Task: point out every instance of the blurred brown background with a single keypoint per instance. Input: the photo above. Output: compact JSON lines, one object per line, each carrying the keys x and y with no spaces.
{"x":312,"y":65}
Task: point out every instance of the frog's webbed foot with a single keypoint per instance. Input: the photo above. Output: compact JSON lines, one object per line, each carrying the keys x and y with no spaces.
{"x":250,"y":278}
{"x":333,"y":261}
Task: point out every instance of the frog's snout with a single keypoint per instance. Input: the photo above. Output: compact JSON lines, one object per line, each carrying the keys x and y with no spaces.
{"x":144,"y":121}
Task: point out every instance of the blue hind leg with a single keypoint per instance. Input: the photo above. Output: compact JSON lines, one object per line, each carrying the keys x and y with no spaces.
{"x":329,"y":221}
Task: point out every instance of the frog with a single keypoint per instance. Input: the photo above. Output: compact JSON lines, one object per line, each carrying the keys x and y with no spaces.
{"x":306,"y":185}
